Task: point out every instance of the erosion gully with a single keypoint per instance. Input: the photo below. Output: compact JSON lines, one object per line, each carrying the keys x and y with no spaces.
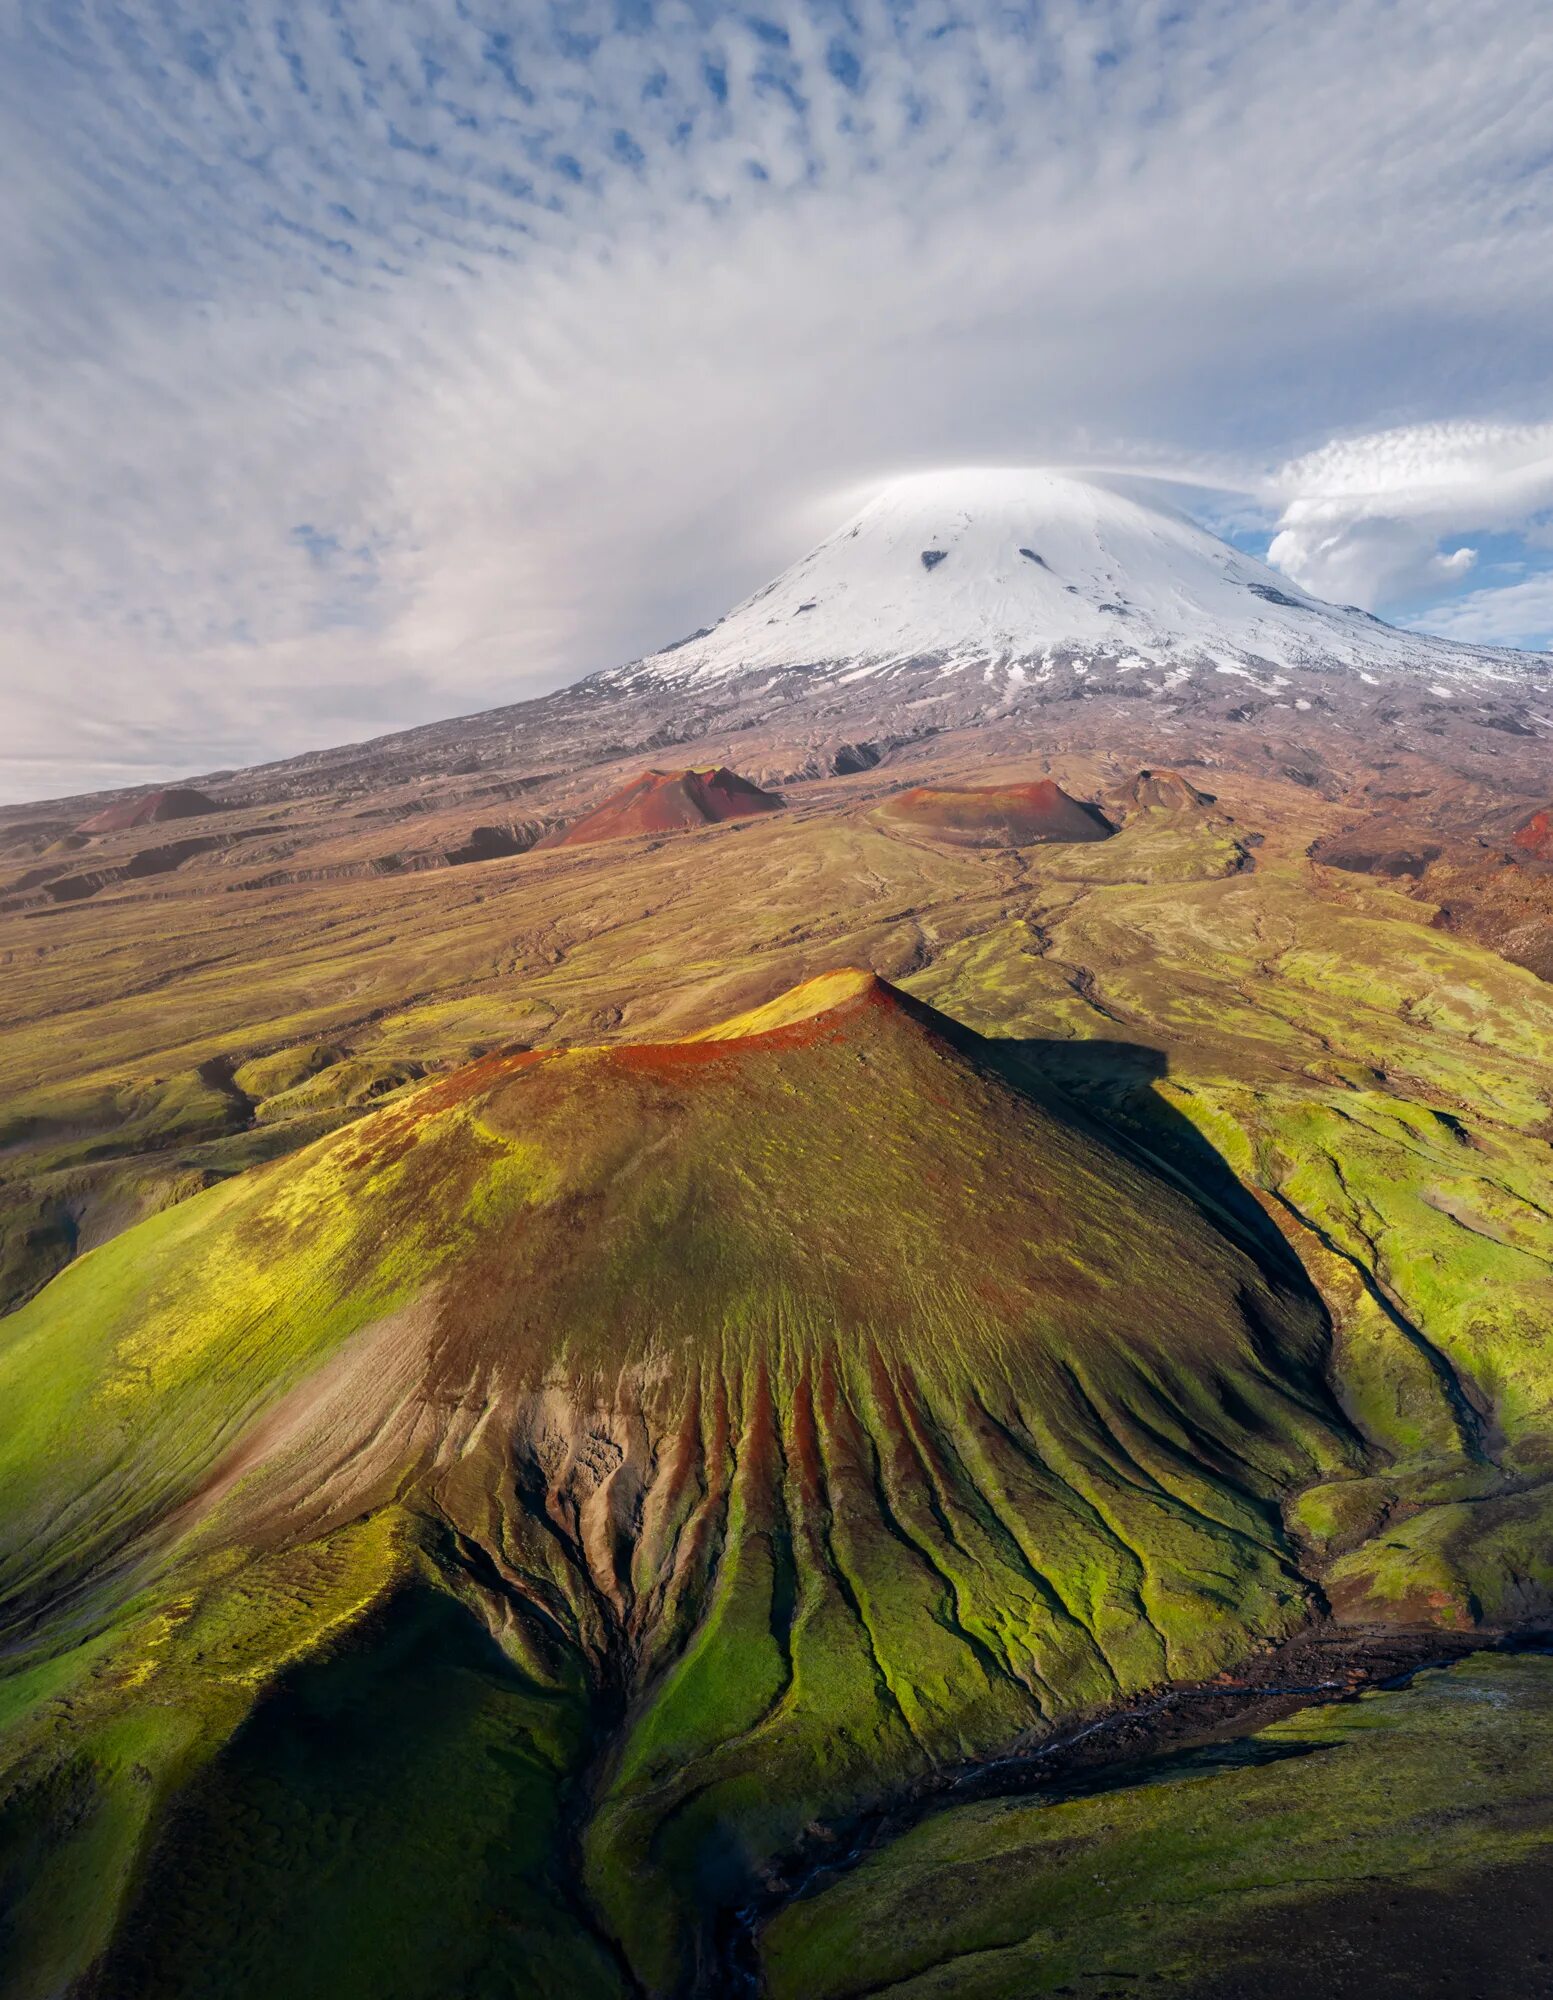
{"x":1124,"y":1747}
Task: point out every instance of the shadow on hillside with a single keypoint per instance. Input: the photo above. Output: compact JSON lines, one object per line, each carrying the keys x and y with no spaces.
{"x":1112,"y":1085}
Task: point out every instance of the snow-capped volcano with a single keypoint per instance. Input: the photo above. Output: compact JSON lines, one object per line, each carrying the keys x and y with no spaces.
{"x":1026,"y":575}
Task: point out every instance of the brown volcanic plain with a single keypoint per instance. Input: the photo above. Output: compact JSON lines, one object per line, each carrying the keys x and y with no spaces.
{"x":426,"y":1355}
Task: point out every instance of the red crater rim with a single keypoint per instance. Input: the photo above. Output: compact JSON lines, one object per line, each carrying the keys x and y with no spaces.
{"x":1000,"y":815}
{"x":150,"y":809}
{"x":668,"y":802}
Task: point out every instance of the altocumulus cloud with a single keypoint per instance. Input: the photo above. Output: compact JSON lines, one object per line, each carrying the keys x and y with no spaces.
{"x":1376,"y":519}
{"x":369,"y":361}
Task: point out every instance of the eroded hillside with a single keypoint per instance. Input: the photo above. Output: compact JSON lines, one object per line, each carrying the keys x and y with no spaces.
{"x":802,"y":1405}
{"x":719,"y":1437}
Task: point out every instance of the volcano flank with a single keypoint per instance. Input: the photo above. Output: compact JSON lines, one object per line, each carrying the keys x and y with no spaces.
{"x":150,"y":809}
{"x":667,"y":802}
{"x":675,"y":1443}
{"x":999,"y":815}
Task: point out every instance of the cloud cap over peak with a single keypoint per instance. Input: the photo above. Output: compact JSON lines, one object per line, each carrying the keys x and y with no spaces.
{"x":372,"y":363}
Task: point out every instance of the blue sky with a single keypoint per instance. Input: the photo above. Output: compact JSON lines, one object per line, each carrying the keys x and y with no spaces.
{"x":376,"y":360}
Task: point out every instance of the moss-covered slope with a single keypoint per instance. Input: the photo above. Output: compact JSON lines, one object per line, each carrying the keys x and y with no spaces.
{"x":1396,"y":1846}
{"x":795,"y":1408}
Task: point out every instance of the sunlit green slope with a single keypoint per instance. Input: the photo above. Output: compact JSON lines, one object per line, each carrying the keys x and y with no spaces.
{"x":1384,"y":1089}
{"x":719,"y":1434}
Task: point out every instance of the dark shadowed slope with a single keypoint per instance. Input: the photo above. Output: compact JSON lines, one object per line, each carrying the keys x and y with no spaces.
{"x":1396,"y":1847}
{"x":723,"y":1433}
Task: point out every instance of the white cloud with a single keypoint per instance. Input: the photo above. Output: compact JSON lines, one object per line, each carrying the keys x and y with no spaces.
{"x":1363,"y":519}
{"x":1514,"y":614}
{"x":370,"y":363}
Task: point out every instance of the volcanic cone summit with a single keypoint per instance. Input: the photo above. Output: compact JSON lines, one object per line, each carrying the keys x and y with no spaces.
{"x":804,"y":1402}
{"x":1020,"y":572}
